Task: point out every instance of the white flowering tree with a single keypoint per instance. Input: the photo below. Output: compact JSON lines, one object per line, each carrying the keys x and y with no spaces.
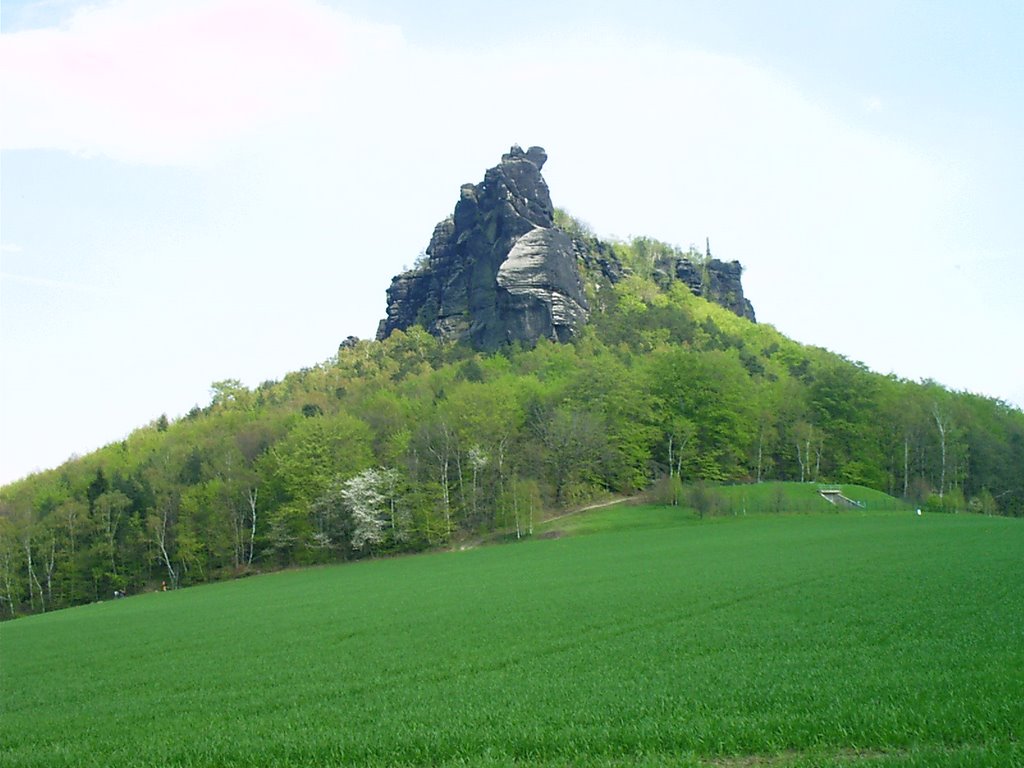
{"x":371,"y":499}
{"x":365,"y":502}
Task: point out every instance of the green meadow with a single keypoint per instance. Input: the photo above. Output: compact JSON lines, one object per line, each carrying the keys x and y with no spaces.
{"x":865,"y":637}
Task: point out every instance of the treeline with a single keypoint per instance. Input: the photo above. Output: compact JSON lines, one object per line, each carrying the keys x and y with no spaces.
{"x":406,"y":444}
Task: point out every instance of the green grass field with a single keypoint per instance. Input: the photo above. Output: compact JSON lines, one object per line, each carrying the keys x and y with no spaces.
{"x":854,"y":638}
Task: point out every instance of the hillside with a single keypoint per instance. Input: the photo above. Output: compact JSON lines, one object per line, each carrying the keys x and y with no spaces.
{"x":423,"y":437}
{"x":798,"y":640}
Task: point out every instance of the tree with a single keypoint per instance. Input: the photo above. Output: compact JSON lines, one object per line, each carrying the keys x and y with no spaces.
{"x":668,"y":490}
{"x":97,"y":487}
{"x":628,"y":412}
{"x":439,"y":443}
{"x":942,"y":423}
{"x":702,"y":498}
{"x":306,"y":463}
{"x":72,"y":518}
{"x":230,"y":394}
{"x":482,"y":419}
{"x":478,"y":461}
{"x":523,"y":499}
{"x":365,"y":502}
{"x":809,"y":445}
{"x":712,"y":392}
{"x":109,"y":510}
{"x":332,"y":520}
{"x":160,"y":525}
{"x":768,"y":415}
{"x":844,"y":401}
{"x":378,"y":519}
{"x":10,"y":583}
{"x":681,"y":432}
{"x":574,"y":442}
{"x":252,"y":494}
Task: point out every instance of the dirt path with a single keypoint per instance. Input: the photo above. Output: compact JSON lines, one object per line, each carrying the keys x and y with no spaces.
{"x":587,"y":508}
{"x":474,"y":543}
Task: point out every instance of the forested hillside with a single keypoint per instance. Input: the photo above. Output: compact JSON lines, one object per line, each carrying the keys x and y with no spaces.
{"x":410,"y":442}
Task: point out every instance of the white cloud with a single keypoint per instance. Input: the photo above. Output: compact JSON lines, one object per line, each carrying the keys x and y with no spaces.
{"x":170,"y":82}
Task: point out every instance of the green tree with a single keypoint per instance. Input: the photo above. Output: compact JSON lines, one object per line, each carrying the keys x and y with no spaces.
{"x":109,"y":511}
{"x":318,"y":450}
{"x":712,"y":392}
{"x":11,"y":583}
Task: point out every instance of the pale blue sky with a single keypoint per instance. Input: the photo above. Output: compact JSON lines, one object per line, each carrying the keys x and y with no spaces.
{"x":214,"y":189}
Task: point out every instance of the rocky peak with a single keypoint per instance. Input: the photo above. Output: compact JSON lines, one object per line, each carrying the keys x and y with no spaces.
{"x":497,"y":270}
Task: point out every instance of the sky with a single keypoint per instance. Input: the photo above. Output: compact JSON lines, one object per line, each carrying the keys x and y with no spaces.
{"x":223,"y":189}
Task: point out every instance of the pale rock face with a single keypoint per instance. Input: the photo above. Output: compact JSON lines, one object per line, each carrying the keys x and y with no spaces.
{"x":540,"y":272}
{"x":526,"y":262}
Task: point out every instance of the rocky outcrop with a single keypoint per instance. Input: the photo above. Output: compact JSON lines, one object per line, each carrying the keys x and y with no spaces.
{"x":717,"y":281}
{"x":497,"y":270}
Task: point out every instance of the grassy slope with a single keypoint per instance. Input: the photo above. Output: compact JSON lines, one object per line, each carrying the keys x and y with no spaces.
{"x":732,"y":500}
{"x":801,"y":497}
{"x":877,"y":639}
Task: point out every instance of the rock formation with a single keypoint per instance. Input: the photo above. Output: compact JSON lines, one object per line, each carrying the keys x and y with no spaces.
{"x":717,"y":281}
{"x":497,"y":270}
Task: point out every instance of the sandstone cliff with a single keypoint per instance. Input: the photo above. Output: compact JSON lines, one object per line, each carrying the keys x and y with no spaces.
{"x":717,"y":281}
{"x":499,"y":271}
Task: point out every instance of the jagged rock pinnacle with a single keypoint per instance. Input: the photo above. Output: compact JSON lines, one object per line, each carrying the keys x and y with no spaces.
{"x":498,"y":270}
